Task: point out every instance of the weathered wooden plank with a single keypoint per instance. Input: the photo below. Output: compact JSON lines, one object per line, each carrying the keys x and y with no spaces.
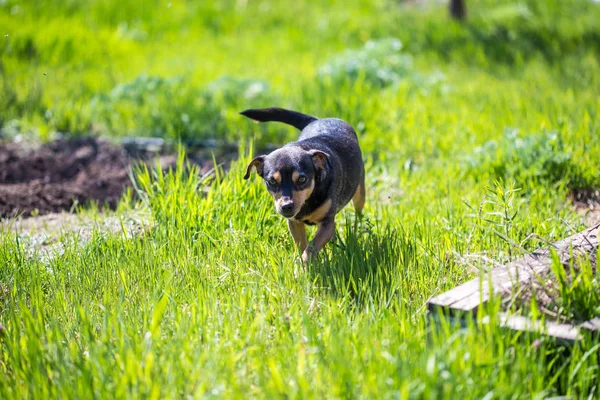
{"x":470,"y":295}
{"x":593,"y":325}
{"x":562,"y":332}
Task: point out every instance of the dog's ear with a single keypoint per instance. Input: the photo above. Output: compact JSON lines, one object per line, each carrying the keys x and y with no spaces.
{"x":320,"y":159}
{"x":257,"y":163}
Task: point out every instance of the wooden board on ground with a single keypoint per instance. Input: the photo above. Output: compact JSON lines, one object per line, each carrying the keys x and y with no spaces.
{"x":563,"y":332}
{"x":470,"y":296}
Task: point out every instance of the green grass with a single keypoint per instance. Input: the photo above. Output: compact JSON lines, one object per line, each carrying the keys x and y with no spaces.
{"x":579,"y":290}
{"x":472,"y":142}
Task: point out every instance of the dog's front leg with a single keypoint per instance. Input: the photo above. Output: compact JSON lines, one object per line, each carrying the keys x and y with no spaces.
{"x":298,"y":232}
{"x":325,"y":231}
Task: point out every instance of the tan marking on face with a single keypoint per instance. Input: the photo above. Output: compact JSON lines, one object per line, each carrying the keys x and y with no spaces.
{"x":300,"y":196}
{"x":277,"y":176}
{"x":276,"y":195}
{"x":320,"y":213}
{"x":295,"y":176}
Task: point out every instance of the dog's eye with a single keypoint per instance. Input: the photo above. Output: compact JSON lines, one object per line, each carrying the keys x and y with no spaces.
{"x":302,"y":179}
{"x":272,"y":181}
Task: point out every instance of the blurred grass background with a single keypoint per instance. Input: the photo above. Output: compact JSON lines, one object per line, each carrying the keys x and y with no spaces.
{"x":416,"y":84}
{"x":184,"y":69}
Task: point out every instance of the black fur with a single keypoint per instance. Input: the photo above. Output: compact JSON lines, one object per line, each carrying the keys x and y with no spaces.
{"x":343,"y":171}
{"x":296,"y":119}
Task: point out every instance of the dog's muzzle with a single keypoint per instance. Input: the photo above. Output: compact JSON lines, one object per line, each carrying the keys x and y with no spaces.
{"x":287,"y":209}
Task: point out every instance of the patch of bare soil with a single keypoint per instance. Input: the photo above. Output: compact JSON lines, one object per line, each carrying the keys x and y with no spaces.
{"x":45,"y":236}
{"x":56,"y":176}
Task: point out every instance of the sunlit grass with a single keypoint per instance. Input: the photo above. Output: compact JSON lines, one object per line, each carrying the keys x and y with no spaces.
{"x":212,"y":300}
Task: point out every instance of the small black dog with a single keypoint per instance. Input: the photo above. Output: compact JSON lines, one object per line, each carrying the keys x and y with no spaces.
{"x":312,"y":179}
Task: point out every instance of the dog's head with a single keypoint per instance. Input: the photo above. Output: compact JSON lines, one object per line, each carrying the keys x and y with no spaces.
{"x":290,"y":174}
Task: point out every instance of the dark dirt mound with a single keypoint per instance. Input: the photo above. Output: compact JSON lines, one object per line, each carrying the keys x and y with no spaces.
{"x":587,"y":203}
{"x":56,"y":176}
{"x":586,"y":198}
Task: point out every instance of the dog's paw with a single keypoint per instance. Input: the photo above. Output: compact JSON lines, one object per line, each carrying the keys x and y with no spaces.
{"x":308,"y":255}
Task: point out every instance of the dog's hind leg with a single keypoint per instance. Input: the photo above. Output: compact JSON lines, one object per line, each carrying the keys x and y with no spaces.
{"x":358,"y":200}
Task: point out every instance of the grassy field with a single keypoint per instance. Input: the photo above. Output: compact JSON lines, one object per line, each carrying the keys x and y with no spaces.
{"x":474,"y":135}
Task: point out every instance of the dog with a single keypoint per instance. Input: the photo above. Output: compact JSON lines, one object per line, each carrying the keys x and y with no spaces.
{"x":312,"y":179}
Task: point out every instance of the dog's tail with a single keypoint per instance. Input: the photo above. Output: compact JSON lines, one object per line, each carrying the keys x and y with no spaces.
{"x":296,"y":119}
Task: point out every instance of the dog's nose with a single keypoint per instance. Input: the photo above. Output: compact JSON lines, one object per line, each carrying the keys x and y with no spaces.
{"x":287,"y":207}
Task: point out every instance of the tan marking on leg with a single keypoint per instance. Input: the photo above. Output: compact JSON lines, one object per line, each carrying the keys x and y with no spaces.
{"x":358,"y":200}
{"x":319,"y":214}
{"x":325,"y":232}
{"x":298,"y":232}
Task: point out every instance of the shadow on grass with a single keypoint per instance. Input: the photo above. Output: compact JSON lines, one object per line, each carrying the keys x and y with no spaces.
{"x":364,"y":263}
